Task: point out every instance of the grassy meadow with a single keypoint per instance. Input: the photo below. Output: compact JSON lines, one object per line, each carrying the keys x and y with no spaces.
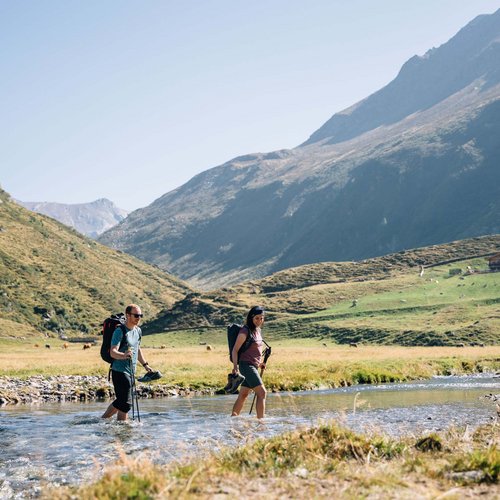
{"x":446,"y":306}
{"x":438,"y":308}
{"x":405,"y":326}
{"x":295,"y":364}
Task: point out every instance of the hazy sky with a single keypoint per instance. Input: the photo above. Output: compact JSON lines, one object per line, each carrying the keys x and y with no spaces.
{"x":130,"y":99}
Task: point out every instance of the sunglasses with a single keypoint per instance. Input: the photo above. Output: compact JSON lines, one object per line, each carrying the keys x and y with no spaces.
{"x":136,"y":315}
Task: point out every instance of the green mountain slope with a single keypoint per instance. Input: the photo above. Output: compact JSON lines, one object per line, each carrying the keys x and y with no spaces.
{"x":54,"y":281}
{"x":386,"y":300}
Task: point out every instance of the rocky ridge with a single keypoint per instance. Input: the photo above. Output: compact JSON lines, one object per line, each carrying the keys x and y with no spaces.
{"x":414,"y":164}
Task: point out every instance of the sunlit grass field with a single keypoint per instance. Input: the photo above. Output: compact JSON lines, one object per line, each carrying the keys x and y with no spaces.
{"x":387,"y":318}
{"x":185,"y":361}
{"x":435,"y":287}
{"x":437,"y":308}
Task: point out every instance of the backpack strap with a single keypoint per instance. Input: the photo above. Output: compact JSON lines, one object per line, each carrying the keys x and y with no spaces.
{"x":250,"y":339}
{"x":123,"y":342}
{"x":247,"y":343}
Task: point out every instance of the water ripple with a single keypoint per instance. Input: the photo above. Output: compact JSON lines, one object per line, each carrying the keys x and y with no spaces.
{"x":69,"y":443}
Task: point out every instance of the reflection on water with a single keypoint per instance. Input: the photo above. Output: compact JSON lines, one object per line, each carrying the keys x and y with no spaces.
{"x":69,"y":443}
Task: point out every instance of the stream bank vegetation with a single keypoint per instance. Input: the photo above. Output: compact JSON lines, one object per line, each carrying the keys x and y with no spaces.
{"x":296,"y":364}
{"x":326,"y":461}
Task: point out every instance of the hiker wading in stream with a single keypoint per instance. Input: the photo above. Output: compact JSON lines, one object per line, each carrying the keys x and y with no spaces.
{"x":124,"y":362}
{"x":249,"y":362}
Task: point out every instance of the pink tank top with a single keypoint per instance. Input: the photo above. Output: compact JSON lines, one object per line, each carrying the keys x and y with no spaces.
{"x":253,"y":354}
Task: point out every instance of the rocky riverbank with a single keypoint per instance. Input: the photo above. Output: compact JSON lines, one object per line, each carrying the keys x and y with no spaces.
{"x":39,"y":389}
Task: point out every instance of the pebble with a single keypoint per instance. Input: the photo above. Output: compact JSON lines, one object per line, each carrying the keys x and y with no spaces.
{"x":473,"y":476}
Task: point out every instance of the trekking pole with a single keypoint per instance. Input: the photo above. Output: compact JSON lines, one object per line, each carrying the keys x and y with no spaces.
{"x":267,"y":353}
{"x":134,"y":394}
{"x":137,"y":401}
{"x":255,"y":395}
{"x":132,"y":386}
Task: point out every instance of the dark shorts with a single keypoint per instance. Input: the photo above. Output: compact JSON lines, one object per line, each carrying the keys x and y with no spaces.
{"x":123,"y":391}
{"x":251,"y":374}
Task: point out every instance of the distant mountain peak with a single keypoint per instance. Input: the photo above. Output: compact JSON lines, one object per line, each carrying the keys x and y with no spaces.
{"x":423,"y":81}
{"x":91,"y":218}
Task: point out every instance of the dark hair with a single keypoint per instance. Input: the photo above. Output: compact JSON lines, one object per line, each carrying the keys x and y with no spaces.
{"x":255,"y":311}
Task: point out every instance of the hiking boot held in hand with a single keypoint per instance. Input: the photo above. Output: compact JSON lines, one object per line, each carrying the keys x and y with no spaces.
{"x":149,"y":376}
{"x":233,"y":382}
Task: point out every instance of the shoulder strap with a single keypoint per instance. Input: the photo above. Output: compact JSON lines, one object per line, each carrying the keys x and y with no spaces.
{"x":125,"y":331}
{"x":248,"y":341}
{"x":124,"y":340}
{"x":250,"y":338}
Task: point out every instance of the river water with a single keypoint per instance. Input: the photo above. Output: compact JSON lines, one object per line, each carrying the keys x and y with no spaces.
{"x":67,"y":443}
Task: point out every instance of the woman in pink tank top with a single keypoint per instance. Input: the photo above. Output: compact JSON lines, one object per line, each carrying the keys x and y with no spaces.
{"x":248,"y":362}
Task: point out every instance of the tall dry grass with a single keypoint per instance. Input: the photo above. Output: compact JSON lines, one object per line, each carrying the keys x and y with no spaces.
{"x":291,"y":367}
{"x":322,"y":462}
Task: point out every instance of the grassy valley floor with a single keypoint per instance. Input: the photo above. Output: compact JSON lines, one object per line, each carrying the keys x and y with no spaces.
{"x":200,"y":362}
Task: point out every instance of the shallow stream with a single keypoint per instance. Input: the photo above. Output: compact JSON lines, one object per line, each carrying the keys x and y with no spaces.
{"x":68,"y":443}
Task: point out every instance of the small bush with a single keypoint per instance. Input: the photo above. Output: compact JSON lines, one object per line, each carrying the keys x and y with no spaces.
{"x":429,"y":443}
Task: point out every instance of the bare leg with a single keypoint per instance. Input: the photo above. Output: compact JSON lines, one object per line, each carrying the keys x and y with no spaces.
{"x":109,"y":412}
{"x":260,"y":406}
{"x":122,"y":415}
{"x":238,"y":405}
{"x":113,"y":411}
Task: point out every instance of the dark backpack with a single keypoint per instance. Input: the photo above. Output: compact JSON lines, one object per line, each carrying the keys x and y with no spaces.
{"x":232,"y":333}
{"x":108,"y":327}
